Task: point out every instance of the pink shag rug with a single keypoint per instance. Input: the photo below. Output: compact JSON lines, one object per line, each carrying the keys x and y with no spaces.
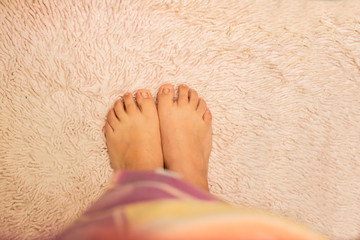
{"x":282,"y":79}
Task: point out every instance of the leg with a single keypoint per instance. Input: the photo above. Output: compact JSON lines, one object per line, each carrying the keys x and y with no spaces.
{"x":134,"y":145}
{"x":143,"y":204}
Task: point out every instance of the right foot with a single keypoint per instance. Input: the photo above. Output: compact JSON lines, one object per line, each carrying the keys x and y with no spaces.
{"x":186,"y":133}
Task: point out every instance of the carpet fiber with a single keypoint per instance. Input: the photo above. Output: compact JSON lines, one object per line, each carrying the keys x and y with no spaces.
{"x":282,"y":79}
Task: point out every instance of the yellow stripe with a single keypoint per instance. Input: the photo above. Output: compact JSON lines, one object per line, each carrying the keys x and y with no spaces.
{"x":170,"y":216}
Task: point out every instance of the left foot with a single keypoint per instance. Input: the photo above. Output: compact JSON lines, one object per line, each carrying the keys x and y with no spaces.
{"x":133,"y":134}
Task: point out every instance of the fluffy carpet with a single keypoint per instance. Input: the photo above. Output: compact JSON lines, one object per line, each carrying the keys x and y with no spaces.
{"x":282,"y":79}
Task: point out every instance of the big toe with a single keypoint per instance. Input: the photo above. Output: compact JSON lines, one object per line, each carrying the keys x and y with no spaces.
{"x":146,"y":102}
{"x":165,"y":96}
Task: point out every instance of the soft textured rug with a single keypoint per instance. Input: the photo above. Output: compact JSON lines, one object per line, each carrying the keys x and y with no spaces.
{"x":282,"y":79}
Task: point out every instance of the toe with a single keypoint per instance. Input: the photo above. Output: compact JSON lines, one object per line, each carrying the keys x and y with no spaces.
{"x":146,"y":102}
{"x":165,"y":96}
{"x":108,"y":130}
{"x":112,"y":119}
{"x":193,"y":98}
{"x":183,"y":94}
{"x":129,"y":103}
{"x":201,"y":108}
{"x":119,"y":109}
{"x":207,"y":116}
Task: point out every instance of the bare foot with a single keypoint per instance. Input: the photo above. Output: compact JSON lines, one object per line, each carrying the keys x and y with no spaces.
{"x":186,"y":133}
{"x":133,"y":134}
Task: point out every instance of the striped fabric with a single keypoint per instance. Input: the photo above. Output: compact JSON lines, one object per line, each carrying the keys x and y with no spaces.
{"x":159,"y":205}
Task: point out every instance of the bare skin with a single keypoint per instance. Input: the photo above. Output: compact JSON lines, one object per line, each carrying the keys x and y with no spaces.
{"x":177,"y":134}
{"x":133,"y":135}
{"x":186,"y":133}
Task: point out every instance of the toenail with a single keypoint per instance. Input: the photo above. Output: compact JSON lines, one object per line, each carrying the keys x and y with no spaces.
{"x":144,"y":94}
{"x":166,"y":90}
